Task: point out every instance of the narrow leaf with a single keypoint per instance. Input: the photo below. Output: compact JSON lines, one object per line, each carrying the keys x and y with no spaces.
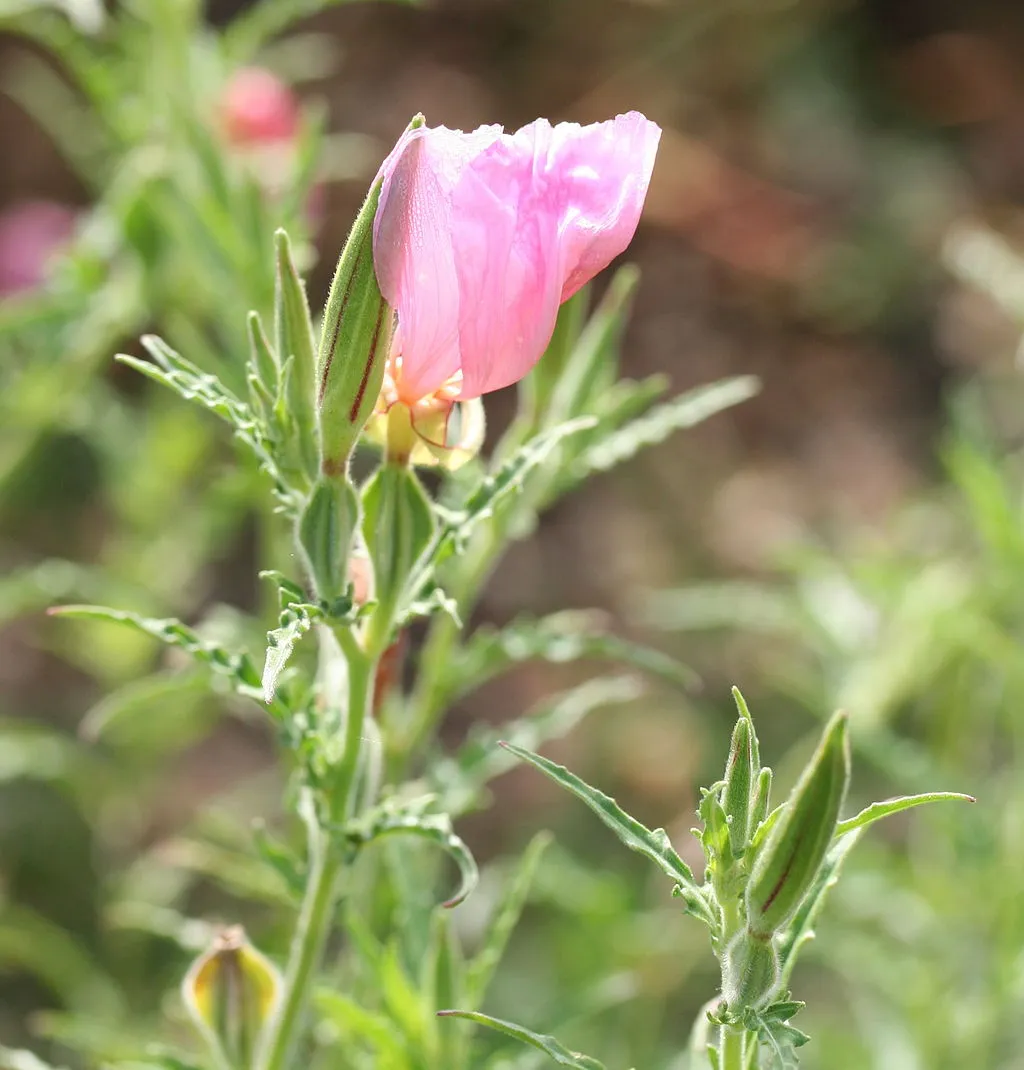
{"x":460,"y":780}
{"x":876,"y":811}
{"x":238,"y":668}
{"x":561,"y":637}
{"x":542,"y":1042}
{"x":688,"y":410}
{"x":654,"y":844}
{"x":415,"y":818}
{"x":481,"y":969}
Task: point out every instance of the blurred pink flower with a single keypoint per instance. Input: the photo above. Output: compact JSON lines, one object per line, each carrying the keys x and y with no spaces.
{"x":31,"y":233}
{"x":479,"y":237}
{"x":257,"y":108}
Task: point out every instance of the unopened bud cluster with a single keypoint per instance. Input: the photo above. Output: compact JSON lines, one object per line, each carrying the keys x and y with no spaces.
{"x":763,"y":868}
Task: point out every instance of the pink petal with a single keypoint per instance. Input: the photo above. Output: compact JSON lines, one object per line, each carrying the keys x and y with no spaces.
{"x":536,"y":215}
{"x":412,"y":250}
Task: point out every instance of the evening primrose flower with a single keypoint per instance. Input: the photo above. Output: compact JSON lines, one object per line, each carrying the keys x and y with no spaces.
{"x":479,"y":237}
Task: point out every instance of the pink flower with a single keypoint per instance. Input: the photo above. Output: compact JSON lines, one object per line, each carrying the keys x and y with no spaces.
{"x":480,"y":237}
{"x":257,"y":108}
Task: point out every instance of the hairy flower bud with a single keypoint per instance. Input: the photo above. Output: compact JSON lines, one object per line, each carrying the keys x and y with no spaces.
{"x":788,"y":862}
{"x":750,"y":972}
{"x":354,"y":345}
{"x":231,"y":992}
{"x":326,"y":527}
{"x":739,"y":775}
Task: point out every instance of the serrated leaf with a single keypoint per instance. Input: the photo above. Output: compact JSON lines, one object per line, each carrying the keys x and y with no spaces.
{"x":417,"y":817}
{"x":778,"y":1042}
{"x":541,"y":1041}
{"x":561,"y":637}
{"x":876,"y":811}
{"x":687,"y":410}
{"x":193,"y":384}
{"x":237,"y":668}
{"x":459,"y":780}
{"x":481,"y":968}
{"x":496,"y":487}
{"x":653,"y":844}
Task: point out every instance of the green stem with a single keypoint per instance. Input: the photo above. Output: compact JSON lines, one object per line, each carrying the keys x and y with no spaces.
{"x":325,"y":863}
{"x":311,"y":933}
{"x":426,"y":703}
{"x":732,"y":1053}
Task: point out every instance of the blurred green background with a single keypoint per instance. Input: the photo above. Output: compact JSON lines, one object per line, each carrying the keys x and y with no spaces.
{"x":836,"y":208}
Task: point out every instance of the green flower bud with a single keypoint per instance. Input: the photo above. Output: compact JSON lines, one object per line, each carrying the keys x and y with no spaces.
{"x":750,"y":972}
{"x":325,"y":530}
{"x":293,"y":330}
{"x":354,"y":345}
{"x":398,"y":525}
{"x":231,"y":992}
{"x":739,"y":775}
{"x":788,"y":862}
{"x":762,"y":797}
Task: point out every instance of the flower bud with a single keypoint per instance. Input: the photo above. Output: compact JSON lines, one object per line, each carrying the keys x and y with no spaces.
{"x":231,"y":992}
{"x":750,"y":972}
{"x":398,"y":525}
{"x":293,"y":330}
{"x":354,"y":345}
{"x":257,"y":108}
{"x":739,"y":774}
{"x":762,"y":797}
{"x":788,"y":862}
{"x":326,"y":526}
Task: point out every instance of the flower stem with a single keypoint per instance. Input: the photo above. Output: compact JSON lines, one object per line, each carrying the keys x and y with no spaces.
{"x":325,"y":864}
{"x":311,"y":933}
{"x":732,"y":1049}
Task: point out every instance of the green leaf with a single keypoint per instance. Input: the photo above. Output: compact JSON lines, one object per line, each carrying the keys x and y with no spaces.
{"x":417,"y":817}
{"x":542,"y":1042}
{"x":296,"y":620}
{"x":777,"y":1039}
{"x":460,"y":780}
{"x":876,"y":811}
{"x":238,"y":669}
{"x":561,"y":637}
{"x":687,"y":410}
{"x":191,"y":383}
{"x":654,"y":844}
{"x":480,"y":969}
{"x":354,"y":1023}
{"x":495,"y":488}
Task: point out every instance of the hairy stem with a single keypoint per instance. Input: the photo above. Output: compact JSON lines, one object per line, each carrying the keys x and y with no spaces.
{"x":325,"y":863}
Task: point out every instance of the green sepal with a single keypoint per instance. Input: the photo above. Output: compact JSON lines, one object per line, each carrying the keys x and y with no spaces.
{"x":355,"y":341}
{"x":326,"y":526}
{"x":787,"y":865}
